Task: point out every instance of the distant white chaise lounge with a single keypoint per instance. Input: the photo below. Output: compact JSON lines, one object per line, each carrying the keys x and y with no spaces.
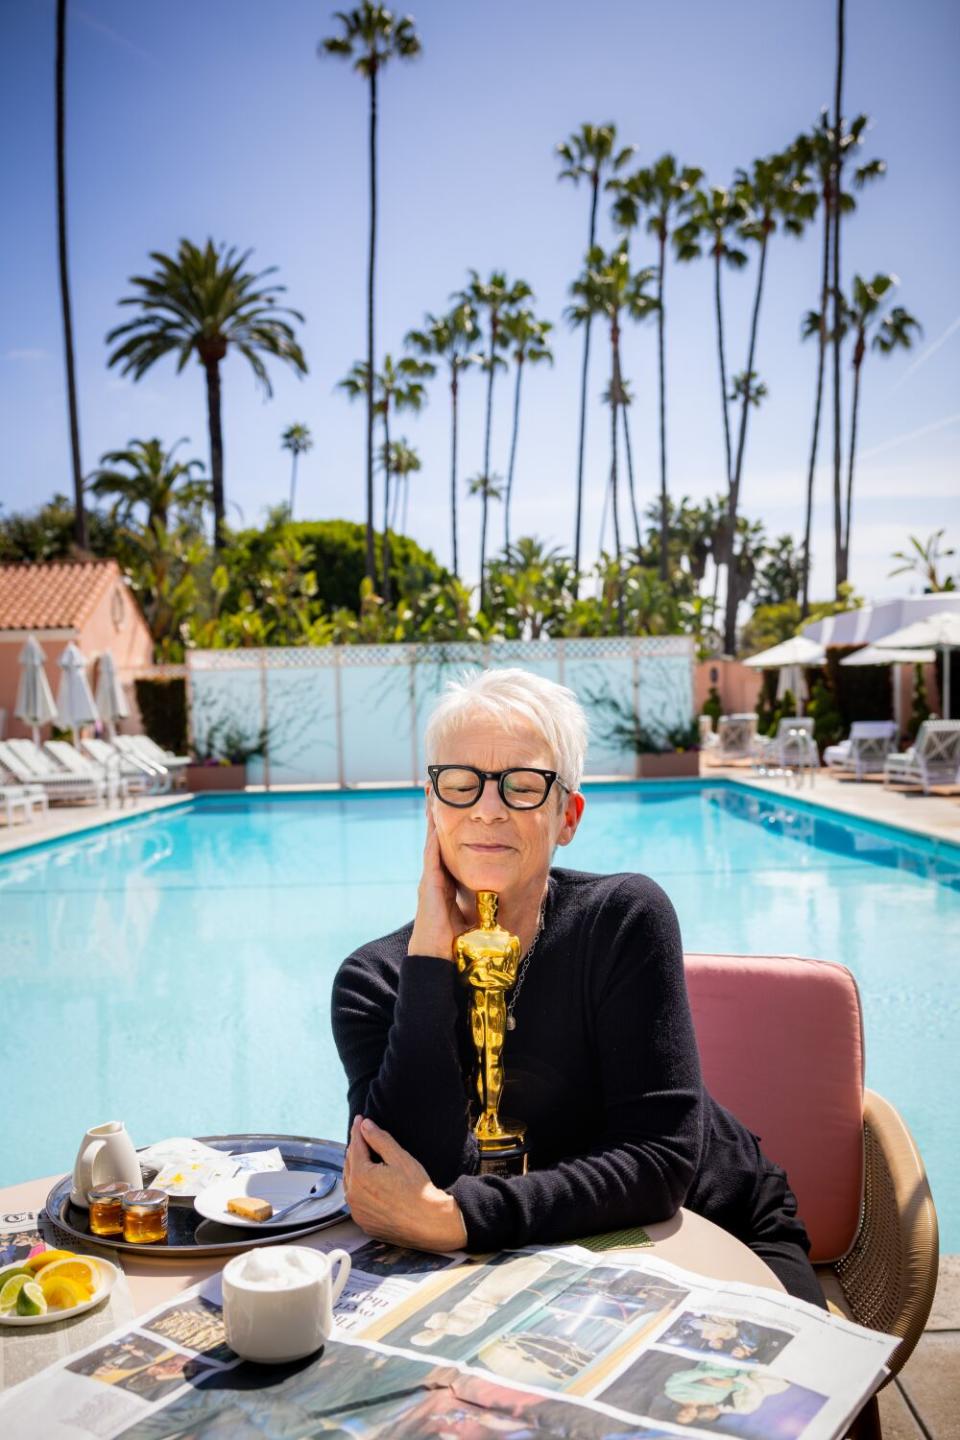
{"x":933,"y":759}
{"x":28,"y":765}
{"x":865,"y":749}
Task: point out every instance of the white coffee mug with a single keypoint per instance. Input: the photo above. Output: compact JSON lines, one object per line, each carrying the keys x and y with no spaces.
{"x":106,"y":1154}
{"x":273,"y":1313}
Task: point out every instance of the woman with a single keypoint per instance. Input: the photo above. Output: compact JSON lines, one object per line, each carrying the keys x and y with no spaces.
{"x":600,"y":1056}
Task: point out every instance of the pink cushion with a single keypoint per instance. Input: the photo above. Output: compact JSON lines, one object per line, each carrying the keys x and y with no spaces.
{"x":781,"y":1043}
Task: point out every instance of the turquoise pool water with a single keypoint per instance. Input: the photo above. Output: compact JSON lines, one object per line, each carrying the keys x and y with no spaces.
{"x":175,"y":971}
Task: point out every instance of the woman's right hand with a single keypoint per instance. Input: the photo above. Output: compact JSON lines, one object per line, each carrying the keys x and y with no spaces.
{"x":438,"y":920}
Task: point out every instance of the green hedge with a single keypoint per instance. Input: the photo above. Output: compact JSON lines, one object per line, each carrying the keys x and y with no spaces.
{"x":163,"y":710}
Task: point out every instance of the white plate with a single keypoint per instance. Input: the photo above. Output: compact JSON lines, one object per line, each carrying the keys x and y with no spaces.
{"x":280,"y":1187}
{"x":109,"y":1274}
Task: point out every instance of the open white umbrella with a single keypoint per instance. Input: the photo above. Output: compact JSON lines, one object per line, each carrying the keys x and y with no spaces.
{"x":74,"y":698}
{"x":34,"y":705}
{"x":937,"y":632}
{"x":790,"y":657}
{"x":111,"y":701}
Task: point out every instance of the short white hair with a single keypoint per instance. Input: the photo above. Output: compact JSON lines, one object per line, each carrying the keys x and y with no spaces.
{"x":520,"y":699}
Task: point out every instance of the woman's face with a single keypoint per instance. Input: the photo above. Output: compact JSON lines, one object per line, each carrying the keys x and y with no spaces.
{"x":489,"y":846}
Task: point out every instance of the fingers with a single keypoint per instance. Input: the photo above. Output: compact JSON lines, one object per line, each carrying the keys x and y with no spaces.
{"x":382,"y":1143}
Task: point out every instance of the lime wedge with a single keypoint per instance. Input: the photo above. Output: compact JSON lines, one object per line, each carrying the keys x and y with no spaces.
{"x":31,"y":1300}
{"x":10,"y":1291}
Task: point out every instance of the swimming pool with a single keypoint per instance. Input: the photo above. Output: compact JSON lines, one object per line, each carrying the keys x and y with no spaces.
{"x":174,"y":971}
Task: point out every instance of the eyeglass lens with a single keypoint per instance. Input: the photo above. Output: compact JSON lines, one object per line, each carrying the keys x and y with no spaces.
{"x":522,"y":789}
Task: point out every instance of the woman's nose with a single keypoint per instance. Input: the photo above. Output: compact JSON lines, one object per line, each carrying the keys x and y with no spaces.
{"x":488,"y":803}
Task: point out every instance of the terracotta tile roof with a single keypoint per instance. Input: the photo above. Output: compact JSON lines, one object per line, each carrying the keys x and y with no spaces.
{"x":55,"y":595}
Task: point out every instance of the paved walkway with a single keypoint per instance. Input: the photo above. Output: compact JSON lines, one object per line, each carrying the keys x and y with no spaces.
{"x":63,"y":820}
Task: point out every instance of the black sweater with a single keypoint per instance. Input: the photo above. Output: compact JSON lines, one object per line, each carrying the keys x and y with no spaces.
{"x":602,"y":1068}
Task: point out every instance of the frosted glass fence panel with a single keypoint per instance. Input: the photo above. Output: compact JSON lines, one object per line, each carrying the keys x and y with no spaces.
{"x":356,"y":715}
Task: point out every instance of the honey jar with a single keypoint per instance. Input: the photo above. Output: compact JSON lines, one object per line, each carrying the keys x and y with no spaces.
{"x":106,"y":1207}
{"x":144,"y":1216}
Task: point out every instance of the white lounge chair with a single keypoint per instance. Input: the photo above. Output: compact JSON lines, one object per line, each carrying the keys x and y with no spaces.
{"x":25,"y":798}
{"x":142,"y":748}
{"x":707,"y":737}
{"x":736,"y":734}
{"x":864,"y":750}
{"x":933,"y":759}
{"x":83,"y":767}
{"x":142,"y":779}
{"x":28,"y":765}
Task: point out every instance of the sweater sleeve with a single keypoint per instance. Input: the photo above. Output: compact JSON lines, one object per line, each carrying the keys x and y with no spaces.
{"x":650,"y":1096}
{"x":397,"y":1045}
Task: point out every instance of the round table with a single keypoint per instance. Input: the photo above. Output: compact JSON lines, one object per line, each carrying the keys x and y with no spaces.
{"x":688,"y":1240}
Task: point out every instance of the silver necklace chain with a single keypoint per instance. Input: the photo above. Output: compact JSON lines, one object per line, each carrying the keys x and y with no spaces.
{"x":511,"y":1022}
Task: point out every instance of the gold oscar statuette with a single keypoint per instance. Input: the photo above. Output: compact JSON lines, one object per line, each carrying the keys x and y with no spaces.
{"x":488,"y":959}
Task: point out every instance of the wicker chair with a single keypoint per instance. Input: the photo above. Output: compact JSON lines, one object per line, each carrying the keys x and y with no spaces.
{"x":858,"y":1176}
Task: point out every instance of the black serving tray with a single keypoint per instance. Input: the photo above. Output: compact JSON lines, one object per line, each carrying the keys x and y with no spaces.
{"x":189,"y":1235}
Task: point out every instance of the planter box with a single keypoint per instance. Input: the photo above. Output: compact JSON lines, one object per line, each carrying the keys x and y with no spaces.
{"x":216,"y":777}
{"x":669,"y":766}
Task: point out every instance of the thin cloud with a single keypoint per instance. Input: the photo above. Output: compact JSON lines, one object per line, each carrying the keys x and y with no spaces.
{"x":93,"y":23}
{"x":27,"y":354}
{"x":924,"y":355}
{"x":911,"y":435}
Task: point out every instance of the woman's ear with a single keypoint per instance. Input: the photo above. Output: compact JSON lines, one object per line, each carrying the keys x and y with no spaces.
{"x":572,"y":813}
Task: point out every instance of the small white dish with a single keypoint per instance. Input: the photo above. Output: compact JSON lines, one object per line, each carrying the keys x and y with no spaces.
{"x":109,"y":1274}
{"x":280,"y":1188}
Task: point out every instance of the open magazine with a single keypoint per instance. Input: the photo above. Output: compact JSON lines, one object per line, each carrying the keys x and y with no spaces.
{"x":548,"y":1343}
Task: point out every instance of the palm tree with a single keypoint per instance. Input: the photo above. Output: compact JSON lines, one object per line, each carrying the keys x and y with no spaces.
{"x":372,"y":36}
{"x":202,"y":302}
{"x":450,"y":337}
{"x":528,"y":339}
{"x":298,"y":440}
{"x":80,"y":519}
{"x":924,"y":558}
{"x":665,"y":191}
{"x":816,"y":153}
{"x":885,"y":332}
{"x":495,"y":298}
{"x":585,"y":155}
{"x":625,"y":400}
{"x":713,"y":215}
{"x":488,"y":487}
{"x":402,"y":461}
{"x":152,"y":478}
{"x":774,"y":193}
{"x":609,"y":288}
{"x":398,"y":386}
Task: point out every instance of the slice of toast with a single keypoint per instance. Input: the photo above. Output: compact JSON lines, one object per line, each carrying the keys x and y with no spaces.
{"x":248,"y":1207}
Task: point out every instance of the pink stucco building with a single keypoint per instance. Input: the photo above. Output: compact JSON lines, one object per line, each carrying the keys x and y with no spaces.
{"x":88,"y":602}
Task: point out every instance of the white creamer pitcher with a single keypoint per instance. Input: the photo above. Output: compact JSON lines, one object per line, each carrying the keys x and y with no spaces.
{"x":106,"y":1154}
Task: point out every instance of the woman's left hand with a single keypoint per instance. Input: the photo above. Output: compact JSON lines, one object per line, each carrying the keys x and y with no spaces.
{"x":396,"y":1200}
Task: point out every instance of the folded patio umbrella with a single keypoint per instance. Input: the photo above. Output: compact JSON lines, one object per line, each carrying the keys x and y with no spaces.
{"x":790,"y":657}
{"x":111,"y":701}
{"x":34,"y":704}
{"x":74,"y":698}
{"x":940,"y":632}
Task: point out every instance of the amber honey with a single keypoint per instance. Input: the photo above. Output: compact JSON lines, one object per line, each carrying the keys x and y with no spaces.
{"x":106,"y":1208}
{"x":144,"y":1216}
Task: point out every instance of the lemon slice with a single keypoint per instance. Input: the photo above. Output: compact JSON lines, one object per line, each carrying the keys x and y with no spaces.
{"x":81,"y":1272}
{"x":10,"y":1292}
{"x":61,"y":1293}
{"x":31,"y":1300}
{"x":46,"y":1257}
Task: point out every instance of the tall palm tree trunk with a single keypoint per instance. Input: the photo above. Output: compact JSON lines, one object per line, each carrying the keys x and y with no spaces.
{"x":371,"y":268}
{"x":80,"y":518}
{"x":724,"y":399}
{"x":614,"y":468}
{"x":839,"y":565}
{"x":486,"y":461}
{"x":633,"y":494}
{"x":454,"y":389}
{"x":385,"y":589}
{"x":854,"y":412}
{"x":664,"y":526}
{"x":730,"y":622}
{"x":293,"y":482}
{"x":814,"y":441}
{"x":513,"y":452}
{"x":595,"y":181}
{"x":211,"y":368}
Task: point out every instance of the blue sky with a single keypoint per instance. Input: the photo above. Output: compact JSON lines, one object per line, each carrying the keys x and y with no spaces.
{"x":219,"y":119}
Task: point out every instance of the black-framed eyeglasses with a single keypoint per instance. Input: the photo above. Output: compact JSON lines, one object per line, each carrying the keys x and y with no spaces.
{"x":521,"y":788}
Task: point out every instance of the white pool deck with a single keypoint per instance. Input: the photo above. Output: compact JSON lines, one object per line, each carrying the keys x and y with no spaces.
{"x":923,"y":1402}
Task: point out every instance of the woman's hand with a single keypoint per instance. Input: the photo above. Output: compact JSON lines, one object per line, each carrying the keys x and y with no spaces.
{"x":438,"y":920}
{"x":396,"y":1200}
